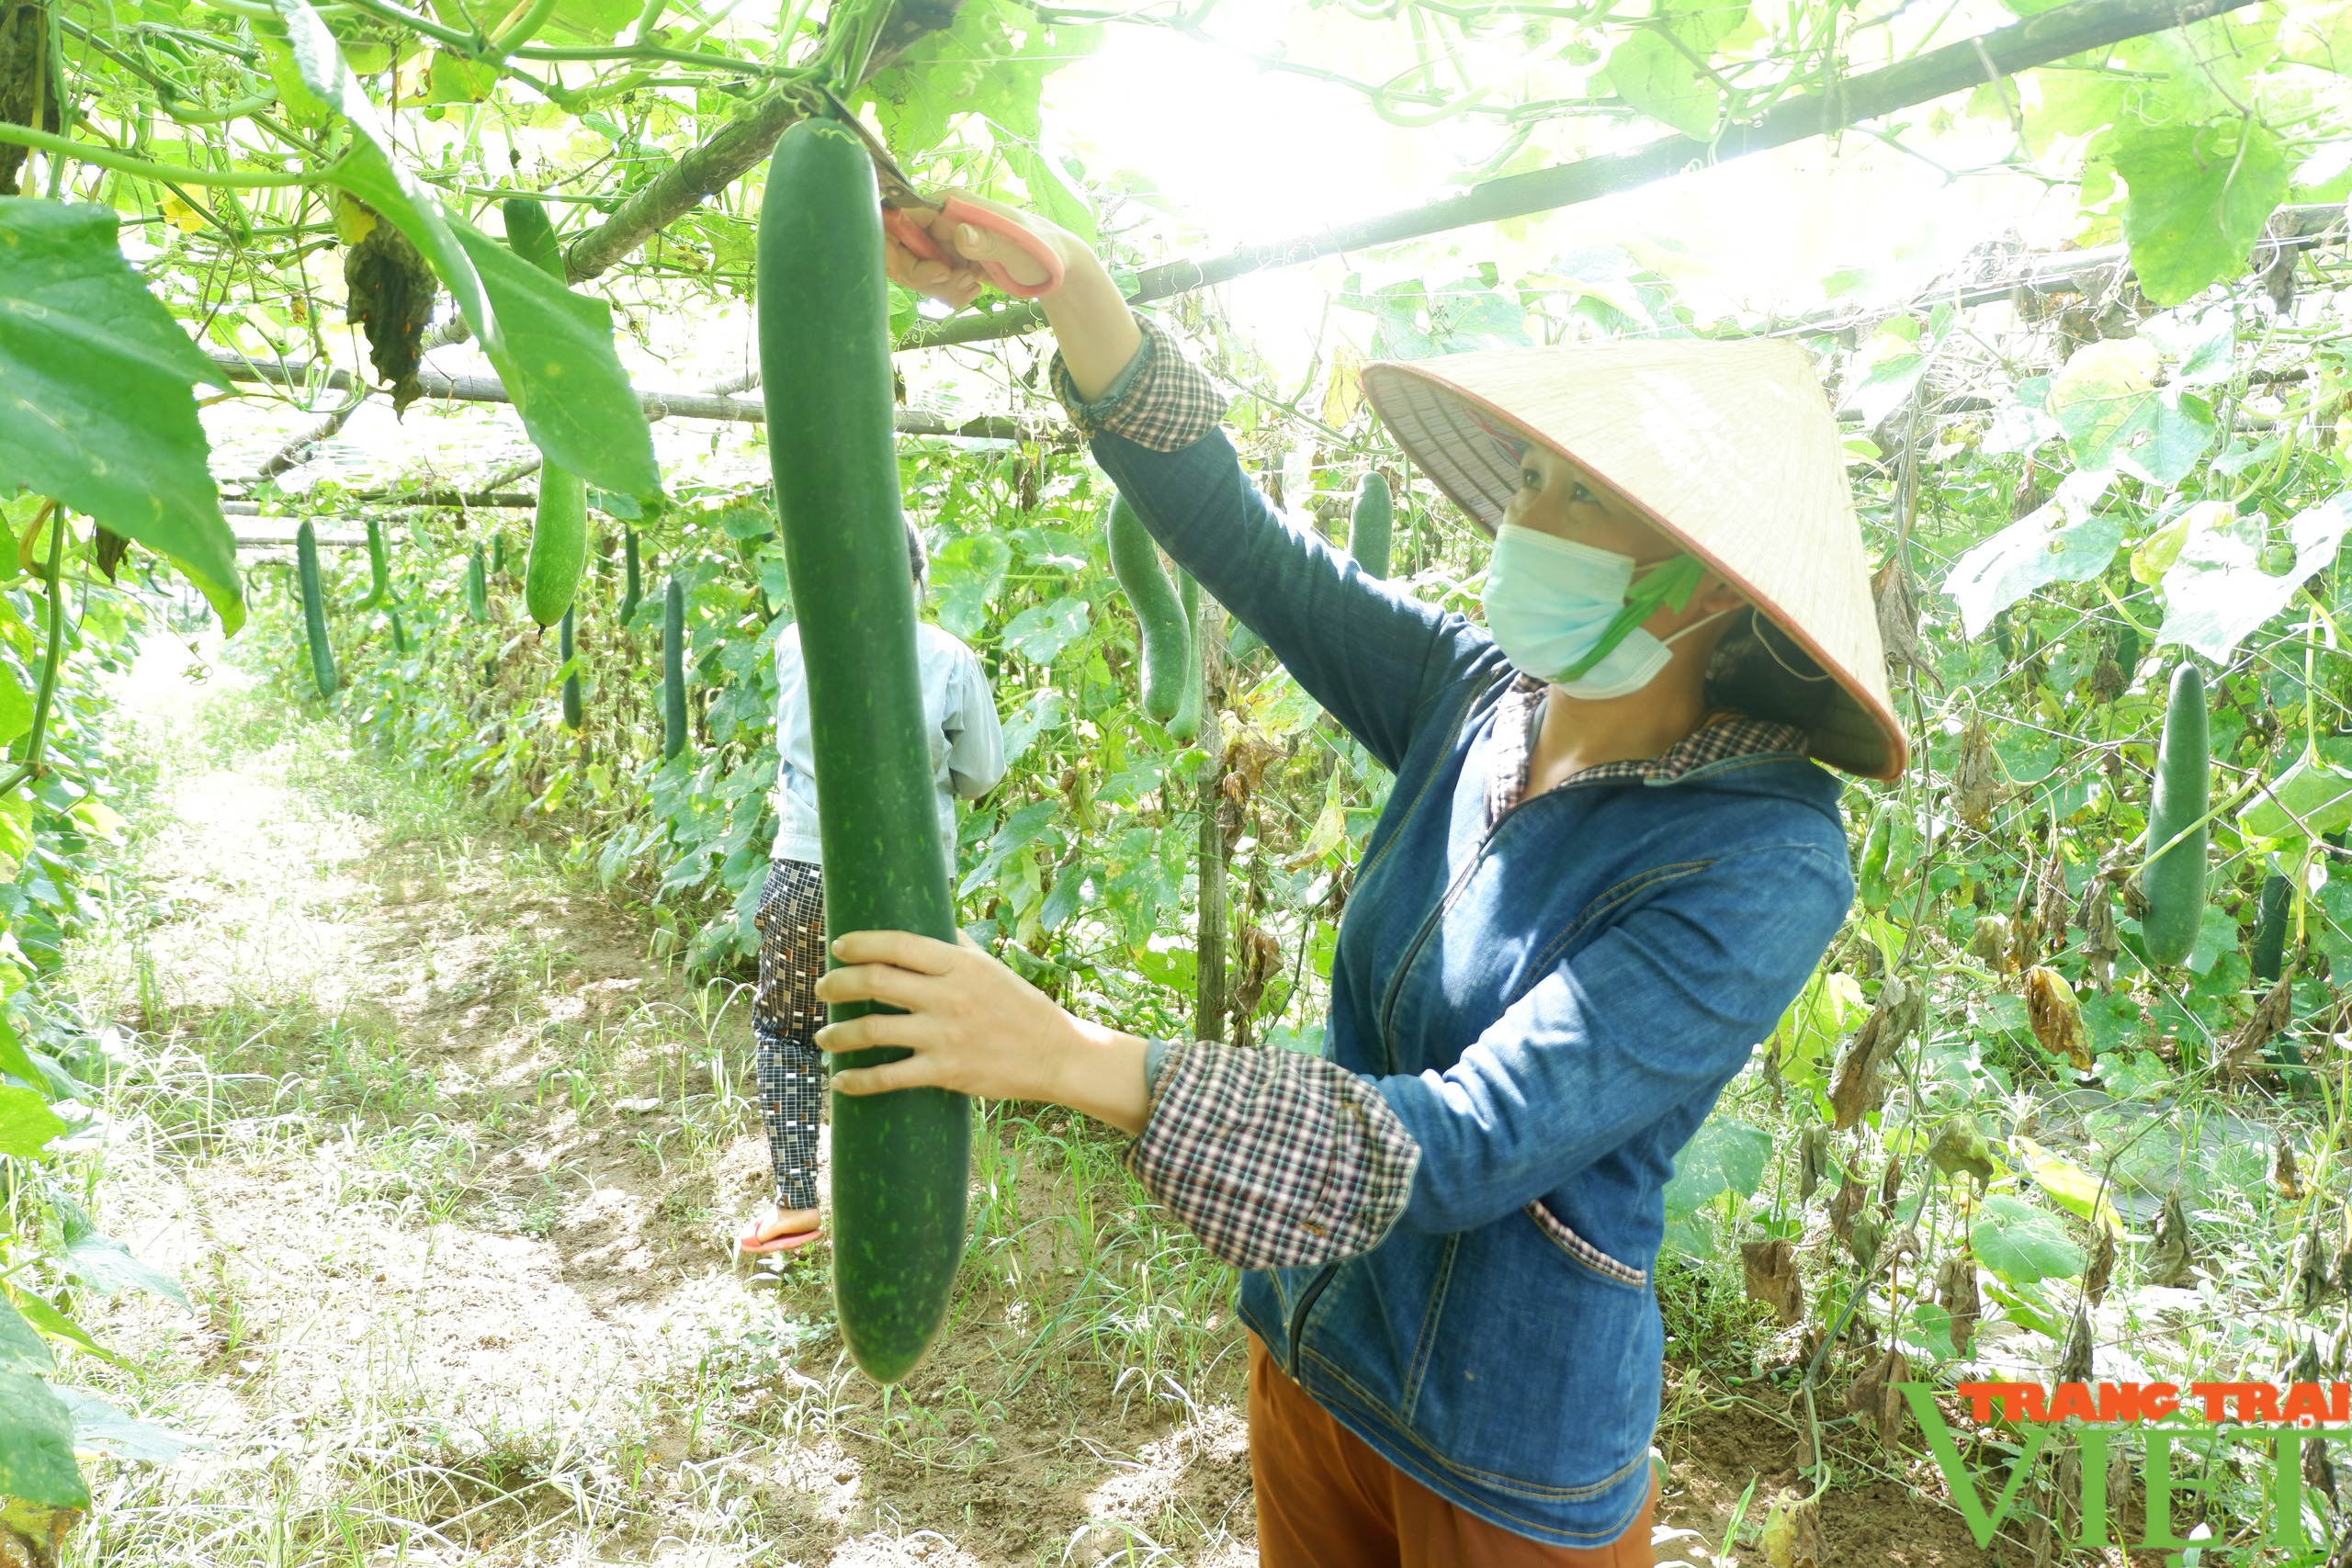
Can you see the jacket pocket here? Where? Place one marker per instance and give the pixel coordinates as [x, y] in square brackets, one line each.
[1583, 1251]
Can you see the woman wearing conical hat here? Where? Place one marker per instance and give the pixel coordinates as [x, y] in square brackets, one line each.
[1610, 857]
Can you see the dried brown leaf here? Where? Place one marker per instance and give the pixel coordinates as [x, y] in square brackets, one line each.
[1877, 1397]
[1990, 942]
[2096, 915]
[2273, 1014]
[1813, 1159]
[392, 292]
[1862, 1238]
[1956, 1293]
[2285, 1176]
[1846, 1205]
[1975, 776]
[2057, 1020]
[1898, 619]
[2102, 1268]
[1771, 1269]
[2172, 1254]
[2313, 1283]
[1960, 1146]
[2076, 1363]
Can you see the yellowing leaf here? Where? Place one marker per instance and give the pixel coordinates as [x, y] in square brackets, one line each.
[352, 221]
[2153, 556]
[1344, 395]
[1330, 827]
[2077, 1191]
[103, 820]
[1829, 1006]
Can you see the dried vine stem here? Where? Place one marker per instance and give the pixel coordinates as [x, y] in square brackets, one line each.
[728, 153]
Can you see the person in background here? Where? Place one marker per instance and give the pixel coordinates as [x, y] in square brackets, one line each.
[966, 760]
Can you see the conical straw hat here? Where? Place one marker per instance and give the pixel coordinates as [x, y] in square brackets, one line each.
[1728, 447]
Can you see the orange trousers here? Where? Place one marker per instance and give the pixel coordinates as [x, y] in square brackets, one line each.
[1327, 1500]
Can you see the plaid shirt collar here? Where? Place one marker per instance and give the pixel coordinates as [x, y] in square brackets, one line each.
[1722, 736]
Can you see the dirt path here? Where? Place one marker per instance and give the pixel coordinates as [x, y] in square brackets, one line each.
[451, 1166]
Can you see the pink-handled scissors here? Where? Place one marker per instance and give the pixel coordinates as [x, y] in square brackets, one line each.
[901, 202]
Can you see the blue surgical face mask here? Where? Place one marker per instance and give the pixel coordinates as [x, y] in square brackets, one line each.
[1551, 603]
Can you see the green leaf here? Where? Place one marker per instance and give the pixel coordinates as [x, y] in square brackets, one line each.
[95, 401]
[57, 1325]
[1959, 1147]
[994, 61]
[2153, 556]
[452, 79]
[966, 574]
[1649, 72]
[37, 1445]
[2113, 414]
[552, 349]
[26, 1123]
[2063, 541]
[2204, 344]
[2319, 36]
[22, 1349]
[1051, 191]
[2023, 1243]
[589, 21]
[15, 706]
[2199, 196]
[1174, 967]
[1723, 1157]
[1044, 711]
[1040, 632]
[2217, 934]
[106, 1266]
[1653, 70]
[559, 366]
[1063, 901]
[2312, 798]
[15, 1060]
[100, 1428]
[2217, 593]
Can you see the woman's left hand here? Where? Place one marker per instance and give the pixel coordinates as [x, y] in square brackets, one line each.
[975, 1027]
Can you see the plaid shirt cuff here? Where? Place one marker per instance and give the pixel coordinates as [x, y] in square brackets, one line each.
[1161, 401]
[1273, 1159]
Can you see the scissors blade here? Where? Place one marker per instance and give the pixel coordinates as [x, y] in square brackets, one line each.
[898, 191]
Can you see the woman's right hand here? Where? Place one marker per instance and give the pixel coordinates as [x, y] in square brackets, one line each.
[1089, 315]
[958, 279]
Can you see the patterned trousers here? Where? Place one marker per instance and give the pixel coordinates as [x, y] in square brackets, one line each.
[785, 1014]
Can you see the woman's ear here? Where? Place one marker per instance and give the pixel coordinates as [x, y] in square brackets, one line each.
[1719, 596]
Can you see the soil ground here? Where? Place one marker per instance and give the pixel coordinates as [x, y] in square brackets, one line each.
[451, 1161]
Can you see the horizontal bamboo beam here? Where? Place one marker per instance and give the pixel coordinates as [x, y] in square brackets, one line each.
[1871, 94]
[657, 405]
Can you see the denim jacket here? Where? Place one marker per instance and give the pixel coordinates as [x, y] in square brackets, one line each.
[1549, 1005]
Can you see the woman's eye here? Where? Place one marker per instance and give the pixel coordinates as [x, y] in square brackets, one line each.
[1530, 480]
[1579, 493]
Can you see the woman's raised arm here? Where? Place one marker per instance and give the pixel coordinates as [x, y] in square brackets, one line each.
[1375, 657]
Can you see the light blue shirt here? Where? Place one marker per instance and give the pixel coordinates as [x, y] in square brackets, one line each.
[959, 714]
